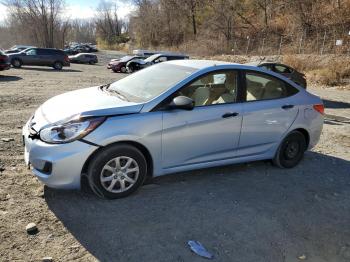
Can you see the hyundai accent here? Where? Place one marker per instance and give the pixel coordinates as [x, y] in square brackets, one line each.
[170, 117]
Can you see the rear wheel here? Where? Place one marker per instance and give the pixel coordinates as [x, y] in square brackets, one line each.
[291, 150]
[58, 65]
[16, 63]
[117, 171]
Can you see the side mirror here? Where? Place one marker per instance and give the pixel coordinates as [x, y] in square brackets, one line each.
[182, 102]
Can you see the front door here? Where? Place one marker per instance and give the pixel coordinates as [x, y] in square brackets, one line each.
[210, 131]
[31, 57]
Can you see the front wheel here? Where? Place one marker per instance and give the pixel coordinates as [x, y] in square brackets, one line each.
[16, 63]
[291, 150]
[117, 171]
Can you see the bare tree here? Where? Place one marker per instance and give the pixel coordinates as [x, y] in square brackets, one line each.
[39, 19]
[108, 25]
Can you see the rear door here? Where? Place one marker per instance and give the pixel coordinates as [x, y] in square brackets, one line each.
[209, 132]
[45, 57]
[268, 112]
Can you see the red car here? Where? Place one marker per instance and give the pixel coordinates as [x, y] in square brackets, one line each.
[119, 65]
[4, 61]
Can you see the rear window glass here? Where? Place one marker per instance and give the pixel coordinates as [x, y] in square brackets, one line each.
[264, 87]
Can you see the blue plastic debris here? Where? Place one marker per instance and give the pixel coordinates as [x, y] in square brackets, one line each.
[199, 249]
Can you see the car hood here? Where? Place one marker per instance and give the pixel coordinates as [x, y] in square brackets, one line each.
[114, 62]
[85, 102]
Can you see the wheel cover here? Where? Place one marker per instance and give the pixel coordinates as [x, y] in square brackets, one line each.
[17, 62]
[123, 69]
[119, 174]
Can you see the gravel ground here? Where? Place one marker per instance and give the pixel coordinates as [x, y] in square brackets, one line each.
[249, 212]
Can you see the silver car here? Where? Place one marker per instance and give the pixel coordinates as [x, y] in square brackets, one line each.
[173, 116]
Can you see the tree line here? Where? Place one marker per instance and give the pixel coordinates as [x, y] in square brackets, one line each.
[226, 23]
[215, 26]
[43, 23]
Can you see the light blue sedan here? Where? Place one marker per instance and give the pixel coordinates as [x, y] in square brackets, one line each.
[170, 117]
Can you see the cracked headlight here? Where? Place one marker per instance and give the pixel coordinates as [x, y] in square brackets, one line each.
[70, 131]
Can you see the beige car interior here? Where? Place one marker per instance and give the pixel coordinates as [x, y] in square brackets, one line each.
[209, 93]
[261, 88]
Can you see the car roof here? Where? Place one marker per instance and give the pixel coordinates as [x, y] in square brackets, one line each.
[199, 64]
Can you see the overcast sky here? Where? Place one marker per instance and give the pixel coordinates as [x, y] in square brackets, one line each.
[84, 8]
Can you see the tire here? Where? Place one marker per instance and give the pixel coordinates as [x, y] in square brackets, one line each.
[106, 179]
[16, 63]
[123, 69]
[57, 65]
[131, 69]
[291, 150]
[91, 62]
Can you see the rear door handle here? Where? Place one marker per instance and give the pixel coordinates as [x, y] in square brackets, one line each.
[230, 114]
[287, 106]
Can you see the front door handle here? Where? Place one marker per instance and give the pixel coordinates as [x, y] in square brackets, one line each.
[287, 106]
[230, 114]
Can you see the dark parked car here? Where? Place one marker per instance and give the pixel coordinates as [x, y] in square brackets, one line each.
[282, 69]
[119, 65]
[71, 51]
[4, 61]
[40, 57]
[83, 58]
[82, 48]
[138, 64]
[17, 49]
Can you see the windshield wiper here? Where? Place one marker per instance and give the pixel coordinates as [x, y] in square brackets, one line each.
[120, 95]
[107, 89]
[104, 87]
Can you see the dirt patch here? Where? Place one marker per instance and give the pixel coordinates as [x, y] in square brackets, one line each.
[249, 212]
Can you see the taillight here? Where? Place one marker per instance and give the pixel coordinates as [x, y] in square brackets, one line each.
[319, 108]
[66, 58]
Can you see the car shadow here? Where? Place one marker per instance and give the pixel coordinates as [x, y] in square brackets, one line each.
[335, 104]
[247, 212]
[64, 70]
[6, 78]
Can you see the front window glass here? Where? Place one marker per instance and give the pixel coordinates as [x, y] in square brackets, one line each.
[161, 59]
[31, 52]
[214, 88]
[150, 82]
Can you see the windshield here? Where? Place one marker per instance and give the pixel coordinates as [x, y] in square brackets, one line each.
[151, 58]
[126, 58]
[1, 53]
[25, 50]
[151, 82]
